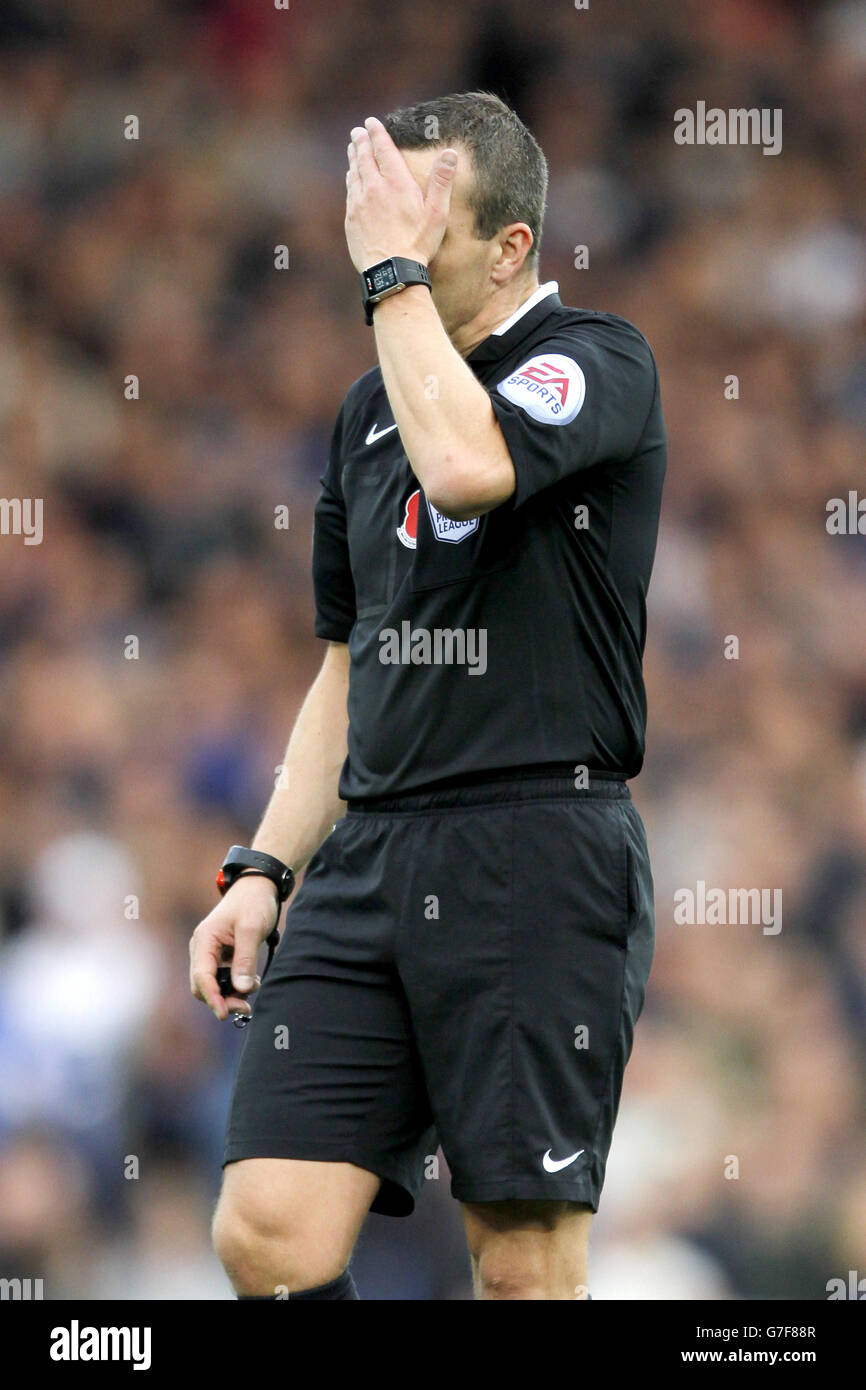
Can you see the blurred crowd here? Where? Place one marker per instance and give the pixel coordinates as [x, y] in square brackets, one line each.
[155, 647]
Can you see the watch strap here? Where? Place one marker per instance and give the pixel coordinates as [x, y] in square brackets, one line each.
[241, 860]
[406, 271]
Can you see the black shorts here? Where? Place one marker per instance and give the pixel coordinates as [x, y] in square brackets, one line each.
[468, 964]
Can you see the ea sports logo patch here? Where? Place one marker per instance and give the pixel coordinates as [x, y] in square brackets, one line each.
[444, 529]
[551, 388]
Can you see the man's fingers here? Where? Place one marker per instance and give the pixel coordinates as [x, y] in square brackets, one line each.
[364, 157]
[204, 987]
[204, 954]
[439, 185]
[353, 178]
[387, 156]
[246, 949]
[208, 992]
[234, 1004]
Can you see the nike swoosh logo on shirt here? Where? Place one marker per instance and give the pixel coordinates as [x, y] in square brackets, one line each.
[376, 433]
[553, 1165]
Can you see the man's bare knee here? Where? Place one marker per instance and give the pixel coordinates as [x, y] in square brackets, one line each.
[286, 1227]
[260, 1256]
[510, 1273]
[528, 1250]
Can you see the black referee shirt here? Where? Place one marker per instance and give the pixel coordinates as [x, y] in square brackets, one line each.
[515, 639]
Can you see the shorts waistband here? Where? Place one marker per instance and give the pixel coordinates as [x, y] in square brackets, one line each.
[519, 784]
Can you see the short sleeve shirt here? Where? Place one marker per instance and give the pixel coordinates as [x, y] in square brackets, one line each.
[514, 639]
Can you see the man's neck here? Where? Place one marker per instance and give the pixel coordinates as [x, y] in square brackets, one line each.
[497, 309]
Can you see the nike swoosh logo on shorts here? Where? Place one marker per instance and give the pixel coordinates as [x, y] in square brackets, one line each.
[376, 433]
[553, 1165]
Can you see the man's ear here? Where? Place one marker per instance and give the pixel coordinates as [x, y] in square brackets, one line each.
[515, 244]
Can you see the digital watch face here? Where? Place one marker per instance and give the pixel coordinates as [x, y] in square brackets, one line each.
[381, 278]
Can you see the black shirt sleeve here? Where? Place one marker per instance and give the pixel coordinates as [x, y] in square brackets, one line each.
[332, 574]
[580, 400]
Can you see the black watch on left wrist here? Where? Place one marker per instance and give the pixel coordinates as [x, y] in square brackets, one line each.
[239, 861]
[389, 277]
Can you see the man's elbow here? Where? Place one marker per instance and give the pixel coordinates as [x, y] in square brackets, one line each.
[463, 489]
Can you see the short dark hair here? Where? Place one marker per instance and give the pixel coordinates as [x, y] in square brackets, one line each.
[510, 169]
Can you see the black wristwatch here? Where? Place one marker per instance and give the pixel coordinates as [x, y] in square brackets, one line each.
[390, 277]
[239, 861]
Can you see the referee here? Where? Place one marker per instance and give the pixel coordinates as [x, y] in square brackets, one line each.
[469, 951]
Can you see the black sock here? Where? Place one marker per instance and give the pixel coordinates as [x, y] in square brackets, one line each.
[341, 1287]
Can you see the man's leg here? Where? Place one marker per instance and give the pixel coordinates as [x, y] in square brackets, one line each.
[528, 1249]
[329, 1113]
[287, 1226]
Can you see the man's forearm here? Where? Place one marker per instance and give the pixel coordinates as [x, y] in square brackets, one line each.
[305, 803]
[446, 422]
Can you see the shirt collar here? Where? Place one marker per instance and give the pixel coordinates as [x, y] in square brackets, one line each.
[507, 335]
